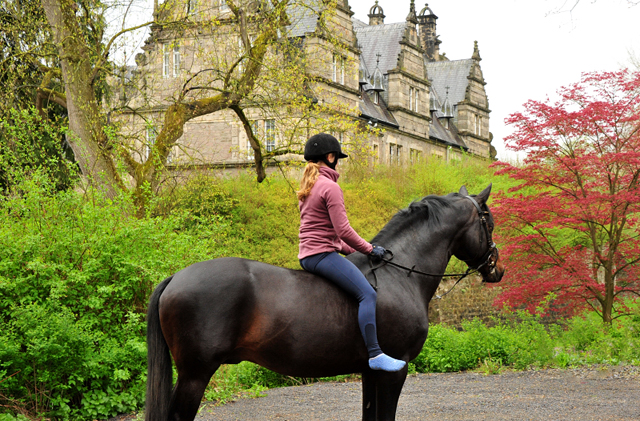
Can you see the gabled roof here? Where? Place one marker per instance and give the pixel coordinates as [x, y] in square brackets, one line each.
[378, 111]
[452, 74]
[380, 39]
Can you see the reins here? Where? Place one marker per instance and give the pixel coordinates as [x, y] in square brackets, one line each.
[486, 258]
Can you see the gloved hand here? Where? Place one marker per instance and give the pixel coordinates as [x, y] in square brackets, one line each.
[378, 252]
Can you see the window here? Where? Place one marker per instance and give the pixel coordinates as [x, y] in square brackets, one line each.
[176, 60]
[414, 99]
[270, 134]
[338, 69]
[240, 53]
[192, 6]
[395, 154]
[152, 133]
[166, 64]
[250, 151]
[376, 153]
[223, 5]
[478, 125]
[410, 98]
[415, 156]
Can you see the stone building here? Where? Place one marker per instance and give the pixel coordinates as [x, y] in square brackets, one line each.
[393, 74]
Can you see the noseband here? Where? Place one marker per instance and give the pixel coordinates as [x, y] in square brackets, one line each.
[474, 265]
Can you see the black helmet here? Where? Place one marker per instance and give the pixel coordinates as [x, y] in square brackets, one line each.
[321, 144]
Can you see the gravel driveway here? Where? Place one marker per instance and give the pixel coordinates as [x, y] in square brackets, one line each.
[602, 393]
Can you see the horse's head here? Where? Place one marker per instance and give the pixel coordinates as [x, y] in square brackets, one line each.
[475, 246]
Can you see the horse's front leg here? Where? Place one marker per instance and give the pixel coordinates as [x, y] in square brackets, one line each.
[369, 401]
[381, 391]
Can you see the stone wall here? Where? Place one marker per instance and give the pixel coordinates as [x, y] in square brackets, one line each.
[469, 299]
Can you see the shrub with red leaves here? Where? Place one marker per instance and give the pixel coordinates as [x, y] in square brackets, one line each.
[570, 229]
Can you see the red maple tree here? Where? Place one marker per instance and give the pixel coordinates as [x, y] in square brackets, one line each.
[570, 228]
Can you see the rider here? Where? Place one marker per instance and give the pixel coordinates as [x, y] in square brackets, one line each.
[325, 231]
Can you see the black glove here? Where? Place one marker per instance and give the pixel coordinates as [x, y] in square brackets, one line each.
[378, 252]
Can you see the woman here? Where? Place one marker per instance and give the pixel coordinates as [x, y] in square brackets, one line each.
[325, 231]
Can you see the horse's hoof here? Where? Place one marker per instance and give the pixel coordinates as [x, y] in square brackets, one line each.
[386, 363]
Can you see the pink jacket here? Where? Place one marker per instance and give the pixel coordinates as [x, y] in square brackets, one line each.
[324, 226]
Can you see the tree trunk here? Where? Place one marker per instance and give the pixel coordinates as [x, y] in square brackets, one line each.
[87, 137]
[609, 290]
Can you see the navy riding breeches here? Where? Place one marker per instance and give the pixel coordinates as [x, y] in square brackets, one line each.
[347, 276]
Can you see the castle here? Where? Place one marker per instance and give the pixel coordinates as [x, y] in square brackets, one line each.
[425, 104]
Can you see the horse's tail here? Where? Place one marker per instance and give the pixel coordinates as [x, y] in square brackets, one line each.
[159, 372]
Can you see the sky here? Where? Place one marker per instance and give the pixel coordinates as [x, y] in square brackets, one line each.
[529, 48]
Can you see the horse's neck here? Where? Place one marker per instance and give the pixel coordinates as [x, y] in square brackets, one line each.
[430, 251]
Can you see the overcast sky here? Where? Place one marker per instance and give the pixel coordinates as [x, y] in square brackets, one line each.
[528, 50]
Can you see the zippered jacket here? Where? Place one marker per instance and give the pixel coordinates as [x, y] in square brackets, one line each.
[324, 226]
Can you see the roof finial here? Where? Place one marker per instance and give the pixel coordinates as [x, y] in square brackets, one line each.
[476, 52]
[411, 17]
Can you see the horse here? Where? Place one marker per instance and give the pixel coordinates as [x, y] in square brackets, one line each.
[295, 323]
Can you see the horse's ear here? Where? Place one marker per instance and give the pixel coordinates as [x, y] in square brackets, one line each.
[484, 195]
[463, 191]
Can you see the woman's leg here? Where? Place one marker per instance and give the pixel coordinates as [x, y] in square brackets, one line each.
[348, 277]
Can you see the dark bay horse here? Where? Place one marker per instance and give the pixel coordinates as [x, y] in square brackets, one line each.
[228, 310]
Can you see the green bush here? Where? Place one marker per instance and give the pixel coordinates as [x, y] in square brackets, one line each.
[75, 276]
[523, 341]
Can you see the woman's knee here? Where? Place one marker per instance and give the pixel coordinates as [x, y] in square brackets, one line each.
[369, 295]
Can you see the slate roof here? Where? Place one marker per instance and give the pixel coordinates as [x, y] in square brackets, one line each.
[382, 39]
[452, 74]
[449, 137]
[304, 19]
[378, 111]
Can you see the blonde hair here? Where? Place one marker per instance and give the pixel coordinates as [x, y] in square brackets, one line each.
[309, 178]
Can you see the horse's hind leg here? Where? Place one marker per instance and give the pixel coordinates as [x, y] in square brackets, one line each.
[187, 394]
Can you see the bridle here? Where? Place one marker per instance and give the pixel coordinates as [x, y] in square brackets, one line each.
[485, 259]
[489, 258]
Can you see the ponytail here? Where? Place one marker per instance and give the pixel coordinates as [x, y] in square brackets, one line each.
[309, 178]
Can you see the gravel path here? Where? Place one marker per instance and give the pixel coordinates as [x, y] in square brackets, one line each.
[601, 393]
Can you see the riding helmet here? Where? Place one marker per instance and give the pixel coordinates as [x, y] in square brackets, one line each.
[321, 144]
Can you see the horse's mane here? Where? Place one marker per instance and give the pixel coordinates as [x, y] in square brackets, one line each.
[428, 210]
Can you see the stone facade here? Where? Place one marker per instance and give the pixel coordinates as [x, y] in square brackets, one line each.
[426, 104]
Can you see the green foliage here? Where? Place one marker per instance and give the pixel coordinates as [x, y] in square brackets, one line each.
[522, 341]
[265, 220]
[75, 276]
[29, 143]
